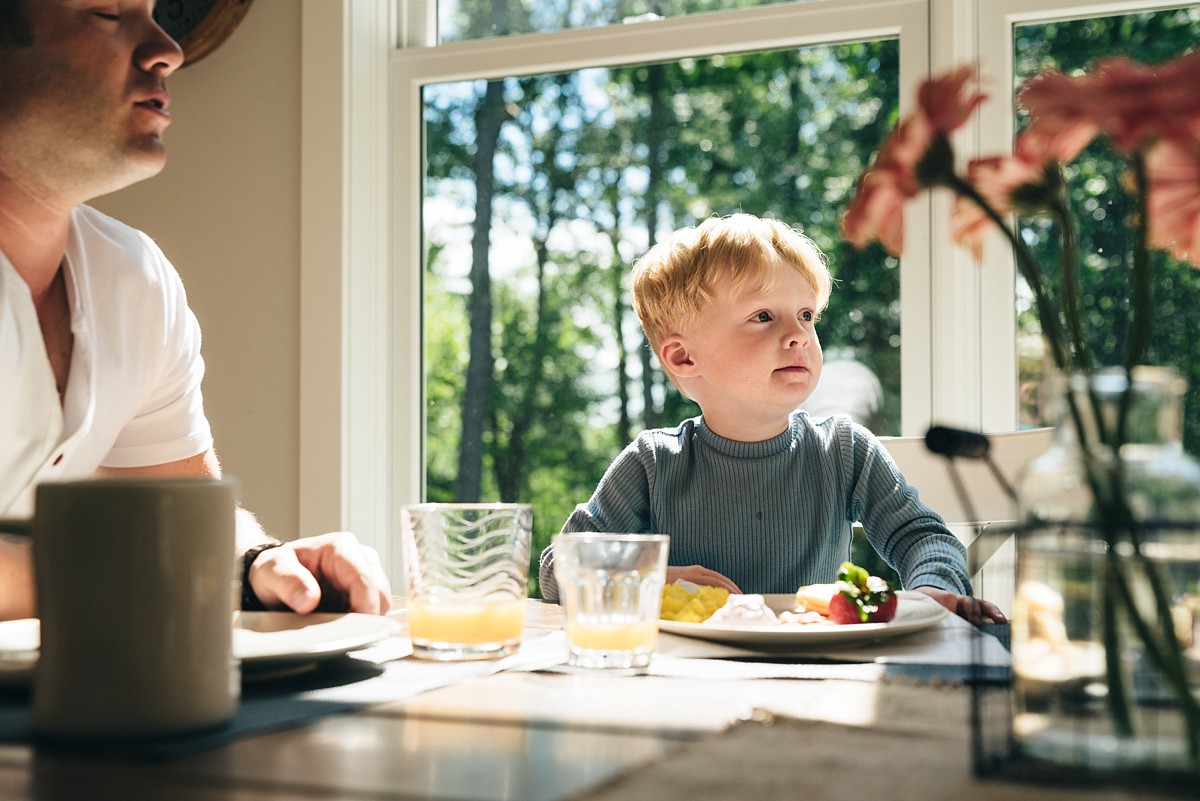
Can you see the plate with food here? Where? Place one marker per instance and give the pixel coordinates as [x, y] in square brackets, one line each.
[856, 609]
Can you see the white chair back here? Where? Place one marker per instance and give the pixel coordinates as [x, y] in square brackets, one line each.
[990, 555]
[929, 473]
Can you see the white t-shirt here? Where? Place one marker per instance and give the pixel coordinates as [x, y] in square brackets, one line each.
[133, 394]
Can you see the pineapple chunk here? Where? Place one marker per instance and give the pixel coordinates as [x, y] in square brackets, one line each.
[688, 605]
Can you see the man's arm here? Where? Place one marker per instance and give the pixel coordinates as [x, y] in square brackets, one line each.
[16, 578]
[202, 465]
[331, 570]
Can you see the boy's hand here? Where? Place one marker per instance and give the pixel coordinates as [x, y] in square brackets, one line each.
[698, 574]
[974, 610]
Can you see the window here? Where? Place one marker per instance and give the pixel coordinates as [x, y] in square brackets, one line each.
[1073, 44]
[541, 188]
[788, 95]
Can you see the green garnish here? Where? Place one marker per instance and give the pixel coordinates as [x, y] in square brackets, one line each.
[866, 592]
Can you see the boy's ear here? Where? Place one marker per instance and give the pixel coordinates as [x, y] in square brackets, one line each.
[674, 355]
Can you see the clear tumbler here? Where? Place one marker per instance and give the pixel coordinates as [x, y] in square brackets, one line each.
[611, 590]
[467, 572]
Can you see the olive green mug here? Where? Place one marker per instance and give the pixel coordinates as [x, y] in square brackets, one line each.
[134, 599]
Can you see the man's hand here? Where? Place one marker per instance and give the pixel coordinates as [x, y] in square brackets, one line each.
[698, 574]
[974, 610]
[333, 572]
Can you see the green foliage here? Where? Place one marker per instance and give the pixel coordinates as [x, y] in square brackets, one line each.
[1104, 205]
[863, 554]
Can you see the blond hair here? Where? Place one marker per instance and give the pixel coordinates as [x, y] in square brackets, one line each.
[673, 282]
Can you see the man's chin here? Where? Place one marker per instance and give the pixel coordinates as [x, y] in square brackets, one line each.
[115, 183]
[151, 153]
[144, 161]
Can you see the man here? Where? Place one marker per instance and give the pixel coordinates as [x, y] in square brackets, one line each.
[100, 363]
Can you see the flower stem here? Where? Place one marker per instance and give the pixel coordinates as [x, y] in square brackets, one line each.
[1143, 287]
[1166, 656]
[1115, 517]
[1051, 325]
[1070, 284]
[1118, 702]
[1118, 524]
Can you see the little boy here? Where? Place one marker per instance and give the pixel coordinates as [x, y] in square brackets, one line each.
[755, 494]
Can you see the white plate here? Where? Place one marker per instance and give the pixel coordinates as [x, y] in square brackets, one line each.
[258, 637]
[19, 640]
[286, 637]
[914, 612]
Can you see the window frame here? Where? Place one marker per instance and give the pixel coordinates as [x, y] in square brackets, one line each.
[362, 367]
[762, 28]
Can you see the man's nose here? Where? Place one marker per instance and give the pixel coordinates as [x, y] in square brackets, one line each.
[158, 52]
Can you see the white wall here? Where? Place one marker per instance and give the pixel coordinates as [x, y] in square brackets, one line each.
[226, 211]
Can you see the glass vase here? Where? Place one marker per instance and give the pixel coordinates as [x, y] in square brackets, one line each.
[1106, 618]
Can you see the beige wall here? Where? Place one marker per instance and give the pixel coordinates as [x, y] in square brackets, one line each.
[226, 211]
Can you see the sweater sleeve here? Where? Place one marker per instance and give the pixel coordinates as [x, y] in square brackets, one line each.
[910, 536]
[621, 503]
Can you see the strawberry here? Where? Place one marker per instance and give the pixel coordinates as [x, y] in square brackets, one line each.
[861, 598]
[844, 610]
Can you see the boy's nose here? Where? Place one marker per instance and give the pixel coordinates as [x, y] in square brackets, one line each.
[797, 336]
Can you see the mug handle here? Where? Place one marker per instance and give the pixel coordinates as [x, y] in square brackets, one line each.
[22, 528]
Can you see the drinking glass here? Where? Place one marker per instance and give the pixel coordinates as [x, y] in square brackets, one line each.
[611, 590]
[467, 571]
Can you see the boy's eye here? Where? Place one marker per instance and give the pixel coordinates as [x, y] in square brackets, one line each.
[762, 317]
[807, 316]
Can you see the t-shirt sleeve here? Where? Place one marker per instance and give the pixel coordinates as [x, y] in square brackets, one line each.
[621, 503]
[909, 535]
[170, 425]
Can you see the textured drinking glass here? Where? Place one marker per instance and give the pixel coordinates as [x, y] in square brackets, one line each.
[467, 572]
[611, 590]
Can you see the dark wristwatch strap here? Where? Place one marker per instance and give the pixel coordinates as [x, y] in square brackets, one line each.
[250, 602]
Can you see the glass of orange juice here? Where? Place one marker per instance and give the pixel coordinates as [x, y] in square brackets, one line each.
[466, 569]
[611, 589]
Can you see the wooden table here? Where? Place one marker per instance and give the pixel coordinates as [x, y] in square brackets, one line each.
[580, 735]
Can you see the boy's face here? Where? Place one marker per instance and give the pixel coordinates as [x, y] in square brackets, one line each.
[751, 357]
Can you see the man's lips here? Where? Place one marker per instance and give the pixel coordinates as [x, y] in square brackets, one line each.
[158, 100]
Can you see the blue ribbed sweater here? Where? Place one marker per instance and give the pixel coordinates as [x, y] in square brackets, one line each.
[770, 515]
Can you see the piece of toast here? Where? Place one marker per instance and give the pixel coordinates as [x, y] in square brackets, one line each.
[816, 597]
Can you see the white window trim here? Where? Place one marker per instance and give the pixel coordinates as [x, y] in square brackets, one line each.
[347, 413]
[954, 336]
